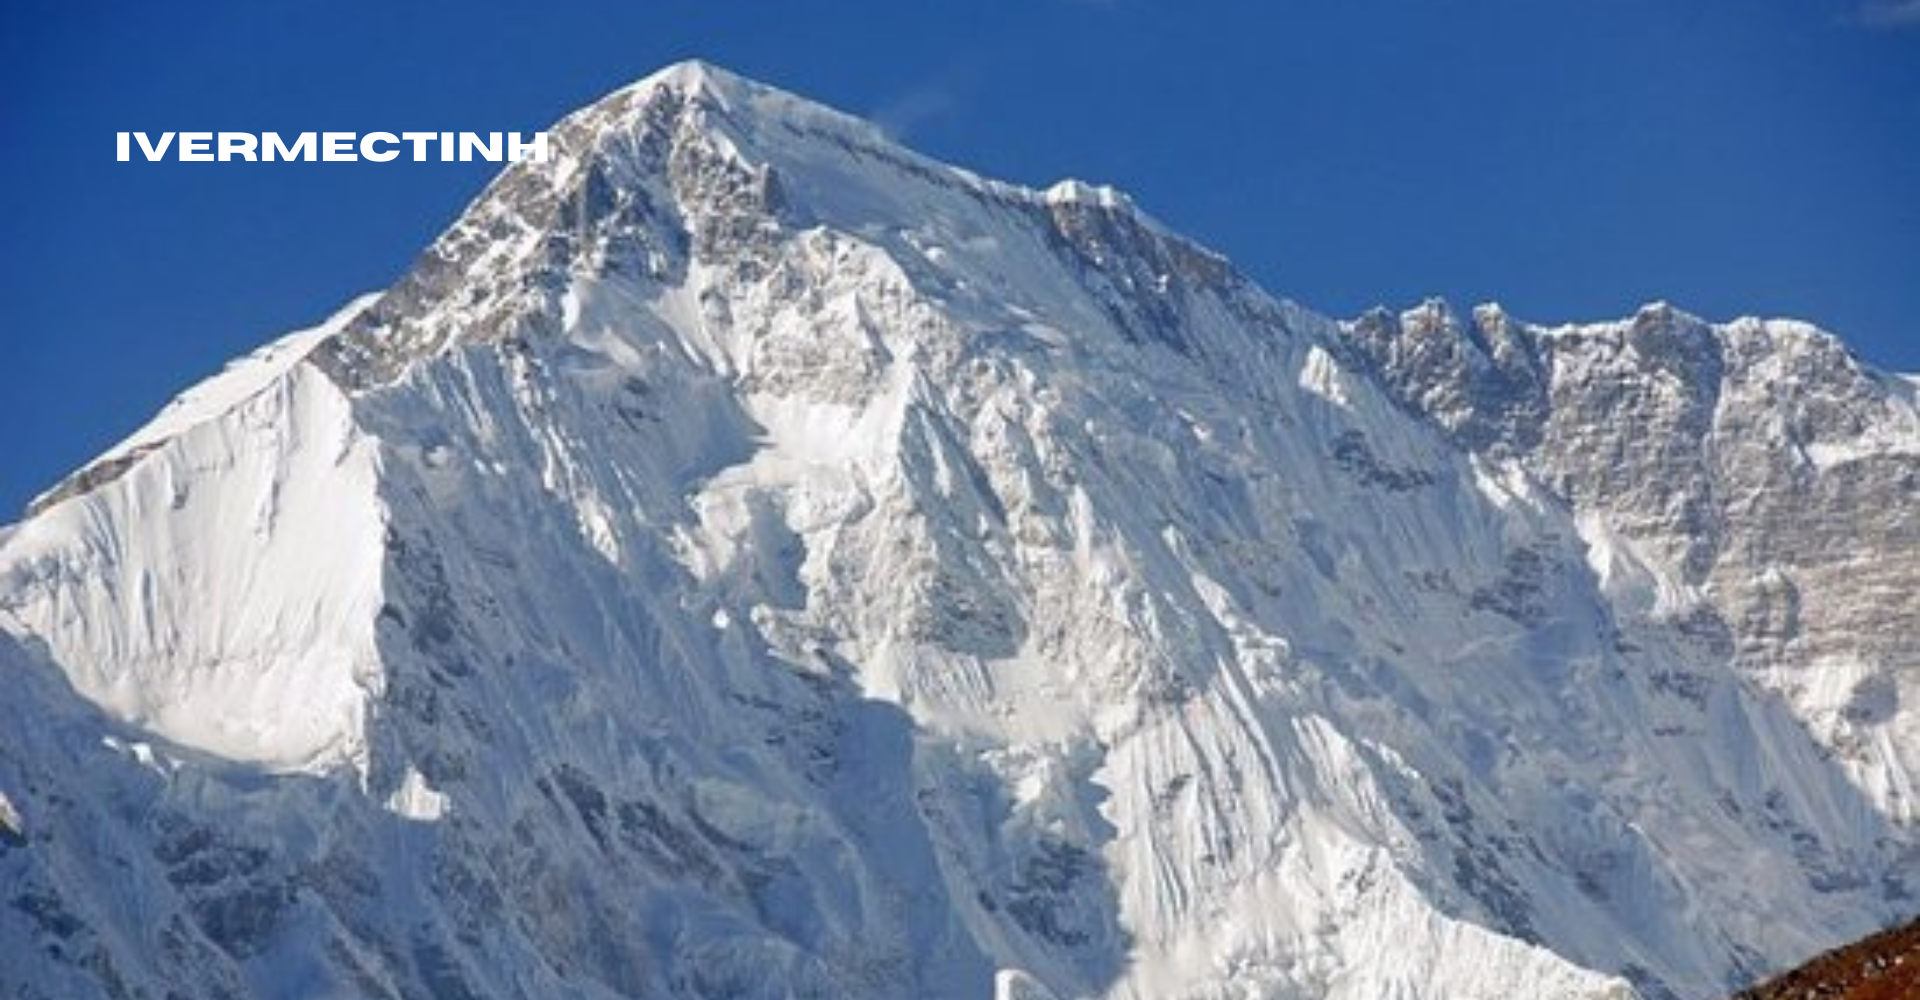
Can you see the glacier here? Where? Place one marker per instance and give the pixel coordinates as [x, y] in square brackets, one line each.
[745, 558]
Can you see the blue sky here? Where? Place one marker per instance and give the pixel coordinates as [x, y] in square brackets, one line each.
[1570, 158]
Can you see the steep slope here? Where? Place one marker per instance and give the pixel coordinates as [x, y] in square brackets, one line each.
[745, 558]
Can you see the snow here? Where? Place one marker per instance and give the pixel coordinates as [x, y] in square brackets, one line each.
[11, 823]
[205, 626]
[1079, 192]
[867, 592]
[1630, 580]
[416, 800]
[1322, 377]
[1898, 435]
[240, 380]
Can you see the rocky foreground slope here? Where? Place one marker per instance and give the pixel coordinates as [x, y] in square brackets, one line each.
[1884, 966]
[743, 558]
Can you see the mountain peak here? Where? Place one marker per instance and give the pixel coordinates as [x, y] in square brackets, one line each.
[722, 99]
[695, 164]
[745, 558]
[695, 74]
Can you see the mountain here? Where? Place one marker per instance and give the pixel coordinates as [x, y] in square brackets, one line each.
[1885, 966]
[744, 558]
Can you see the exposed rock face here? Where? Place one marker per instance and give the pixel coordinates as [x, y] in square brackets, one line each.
[746, 559]
[1768, 482]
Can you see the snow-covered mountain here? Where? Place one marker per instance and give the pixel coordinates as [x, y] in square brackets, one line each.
[744, 558]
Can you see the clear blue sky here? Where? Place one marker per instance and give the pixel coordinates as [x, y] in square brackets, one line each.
[1571, 158]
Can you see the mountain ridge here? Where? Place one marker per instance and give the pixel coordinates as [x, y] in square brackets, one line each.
[702, 85]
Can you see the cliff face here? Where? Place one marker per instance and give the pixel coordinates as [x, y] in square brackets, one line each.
[1766, 483]
[744, 558]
